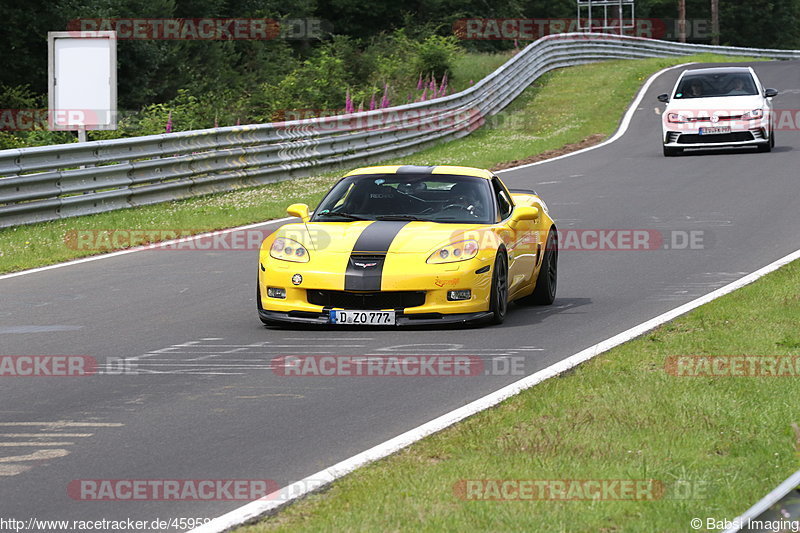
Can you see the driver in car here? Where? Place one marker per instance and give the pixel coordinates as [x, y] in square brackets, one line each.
[466, 196]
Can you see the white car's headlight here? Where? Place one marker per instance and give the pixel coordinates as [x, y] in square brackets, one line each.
[288, 250]
[754, 114]
[676, 118]
[457, 251]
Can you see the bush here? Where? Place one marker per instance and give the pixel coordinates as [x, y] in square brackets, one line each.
[435, 55]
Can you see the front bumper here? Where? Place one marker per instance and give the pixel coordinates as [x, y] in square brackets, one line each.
[402, 319]
[431, 282]
[691, 138]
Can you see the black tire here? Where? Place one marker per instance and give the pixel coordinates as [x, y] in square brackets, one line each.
[672, 152]
[765, 147]
[498, 296]
[547, 281]
[772, 138]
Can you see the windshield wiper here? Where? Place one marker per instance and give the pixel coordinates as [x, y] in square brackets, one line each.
[351, 216]
[397, 217]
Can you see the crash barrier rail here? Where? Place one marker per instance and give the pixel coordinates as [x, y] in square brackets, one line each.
[764, 510]
[59, 181]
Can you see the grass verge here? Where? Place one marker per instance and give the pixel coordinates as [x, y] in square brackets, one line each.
[717, 444]
[563, 107]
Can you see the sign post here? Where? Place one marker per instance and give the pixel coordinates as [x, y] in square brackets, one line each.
[616, 15]
[82, 81]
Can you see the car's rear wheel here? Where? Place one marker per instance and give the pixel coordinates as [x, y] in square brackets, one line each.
[498, 295]
[544, 293]
[669, 151]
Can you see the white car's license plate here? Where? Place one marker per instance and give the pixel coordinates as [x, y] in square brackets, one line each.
[368, 318]
[715, 131]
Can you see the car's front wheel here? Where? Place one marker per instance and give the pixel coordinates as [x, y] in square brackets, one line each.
[669, 151]
[768, 146]
[544, 292]
[498, 296]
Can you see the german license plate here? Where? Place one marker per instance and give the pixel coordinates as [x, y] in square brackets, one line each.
[715, 131]
[367, 318]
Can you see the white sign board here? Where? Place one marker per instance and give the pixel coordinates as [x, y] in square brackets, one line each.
[82, 80]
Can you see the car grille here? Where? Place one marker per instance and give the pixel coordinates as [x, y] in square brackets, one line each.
[739, 136]
[722, 118]
[366, 300]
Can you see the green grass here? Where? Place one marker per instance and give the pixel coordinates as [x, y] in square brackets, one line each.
[618, 416]
[561, 108]
[474, 66]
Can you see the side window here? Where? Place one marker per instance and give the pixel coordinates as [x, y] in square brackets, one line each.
[504, 203]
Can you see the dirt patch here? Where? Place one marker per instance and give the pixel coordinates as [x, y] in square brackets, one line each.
[591, 140]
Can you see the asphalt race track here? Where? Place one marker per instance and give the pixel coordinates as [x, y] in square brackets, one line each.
[206, 404]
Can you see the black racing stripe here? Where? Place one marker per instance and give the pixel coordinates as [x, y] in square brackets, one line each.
[378, 236]
[415, 169]
[365, 267]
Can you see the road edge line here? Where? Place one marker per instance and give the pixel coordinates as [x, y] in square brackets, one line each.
[277, 499]
[623, 128]
[153, 246]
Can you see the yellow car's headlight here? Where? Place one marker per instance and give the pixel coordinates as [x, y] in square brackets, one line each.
[457, 251]
[288, 250]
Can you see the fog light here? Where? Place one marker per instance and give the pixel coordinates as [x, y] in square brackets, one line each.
[275, 292]
[455, 296]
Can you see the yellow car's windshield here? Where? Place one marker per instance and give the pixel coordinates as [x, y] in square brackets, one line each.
[430, 197]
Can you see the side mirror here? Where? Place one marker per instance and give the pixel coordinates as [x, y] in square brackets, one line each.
[299, 211]
[525, 212]
[769, 93]
[663, 98]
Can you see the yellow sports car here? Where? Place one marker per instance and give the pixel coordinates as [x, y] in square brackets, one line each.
[409, 245]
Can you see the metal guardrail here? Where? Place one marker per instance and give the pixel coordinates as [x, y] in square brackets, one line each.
[745, 522]
[59, 181]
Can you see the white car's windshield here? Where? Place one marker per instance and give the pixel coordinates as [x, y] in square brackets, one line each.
[716, 85]
[431, 197]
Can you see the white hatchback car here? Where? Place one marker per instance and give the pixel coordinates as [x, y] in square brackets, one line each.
[721, 106]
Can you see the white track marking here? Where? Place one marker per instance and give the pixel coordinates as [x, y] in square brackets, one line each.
[45, 435]
[36, 444]
[623, 127]
[8, 468]
[300, 488]
[38, 455]
[305, 486]
[154, 246]
[64, 424]
[13, 470]
[621, 131]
